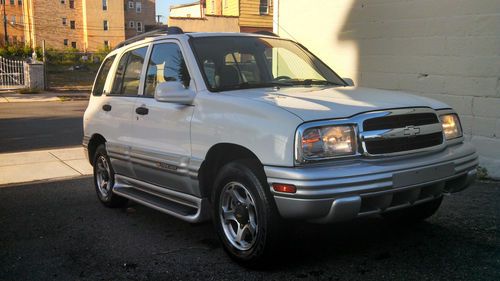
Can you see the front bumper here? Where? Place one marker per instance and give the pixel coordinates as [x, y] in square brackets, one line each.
[346, 190]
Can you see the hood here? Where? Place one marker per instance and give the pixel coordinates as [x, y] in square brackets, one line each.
[316, 103]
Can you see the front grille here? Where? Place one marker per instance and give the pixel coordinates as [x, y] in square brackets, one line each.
[403, 144]
[402, 132]
[399, 121]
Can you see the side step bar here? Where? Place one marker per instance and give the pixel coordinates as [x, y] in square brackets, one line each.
[180, 205]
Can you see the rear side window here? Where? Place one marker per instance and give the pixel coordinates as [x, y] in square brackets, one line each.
[100, 80]
[128, 73]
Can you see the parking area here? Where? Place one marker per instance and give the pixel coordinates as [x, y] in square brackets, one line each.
[59, 231]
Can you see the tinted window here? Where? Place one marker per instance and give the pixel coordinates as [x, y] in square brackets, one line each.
[166, 64]
[128, 73]
[101, 76]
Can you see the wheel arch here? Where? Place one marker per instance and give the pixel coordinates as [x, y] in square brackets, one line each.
[219, 155]
[94, 142]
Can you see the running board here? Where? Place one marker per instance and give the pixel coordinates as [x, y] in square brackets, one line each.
[180, 205]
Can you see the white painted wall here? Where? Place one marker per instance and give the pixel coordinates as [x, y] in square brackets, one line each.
[185, 11]
[444, 49]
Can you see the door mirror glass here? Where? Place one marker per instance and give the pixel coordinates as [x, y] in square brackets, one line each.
[348, 81]
[174, 92]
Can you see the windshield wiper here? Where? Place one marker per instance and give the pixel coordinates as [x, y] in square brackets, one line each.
[308, 82]
[246, 85]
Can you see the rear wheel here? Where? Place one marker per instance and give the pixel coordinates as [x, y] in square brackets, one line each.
[416, 213]
[104, 179]
[245, 217]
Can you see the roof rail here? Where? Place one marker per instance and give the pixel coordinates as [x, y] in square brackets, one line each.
[265, 32]
[162, 30]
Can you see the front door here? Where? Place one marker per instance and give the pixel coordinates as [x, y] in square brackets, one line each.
[162, 149]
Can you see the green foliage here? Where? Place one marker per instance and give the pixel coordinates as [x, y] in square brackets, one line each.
[482, 173]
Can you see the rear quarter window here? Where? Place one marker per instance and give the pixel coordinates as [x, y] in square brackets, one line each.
[100, 80]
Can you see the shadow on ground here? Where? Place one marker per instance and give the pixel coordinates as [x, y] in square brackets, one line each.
[59, 231]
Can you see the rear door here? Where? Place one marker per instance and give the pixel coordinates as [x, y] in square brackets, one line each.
[118, 109]
[162, 149]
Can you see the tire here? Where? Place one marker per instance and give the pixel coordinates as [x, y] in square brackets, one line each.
[244, 213]
[104, 180]
[414, 214]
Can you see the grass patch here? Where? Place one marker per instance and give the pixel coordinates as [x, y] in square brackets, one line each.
[28, 91]
[67, 76]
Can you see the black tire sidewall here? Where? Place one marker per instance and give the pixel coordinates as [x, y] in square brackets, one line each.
[101, 151]
[243, 172]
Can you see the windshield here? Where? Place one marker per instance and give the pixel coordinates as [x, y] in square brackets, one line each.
[237, 62]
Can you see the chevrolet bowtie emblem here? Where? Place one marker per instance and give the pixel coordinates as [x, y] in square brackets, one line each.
[411, 131]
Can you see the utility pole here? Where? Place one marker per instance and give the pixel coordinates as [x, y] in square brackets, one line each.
[6, 37]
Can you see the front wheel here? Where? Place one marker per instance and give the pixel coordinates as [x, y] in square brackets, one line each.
[104, 180]
[244, 215]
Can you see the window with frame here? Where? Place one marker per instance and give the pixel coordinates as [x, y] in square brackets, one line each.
[264, 7]
[71, 4]
[20, 2]
[165, 65]
[72, 24]
[138, 7]
[12, 2]
[63, 1]
[101, 77]
[131, 24]
[138, 26]
[130, 4]
[73, 45]
[128, 73]
[65, 42]
[64, 21]
[104, 5]
[105, 25]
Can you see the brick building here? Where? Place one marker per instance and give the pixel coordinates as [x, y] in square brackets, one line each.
[87, 25]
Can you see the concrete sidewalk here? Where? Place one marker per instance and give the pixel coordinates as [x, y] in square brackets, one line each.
[49, 164]
[9, 96]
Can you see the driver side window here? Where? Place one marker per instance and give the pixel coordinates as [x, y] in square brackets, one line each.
[166, 64]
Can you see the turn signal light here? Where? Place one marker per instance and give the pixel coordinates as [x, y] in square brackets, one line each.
[286, 188]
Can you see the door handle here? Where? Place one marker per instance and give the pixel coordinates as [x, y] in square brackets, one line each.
[106, 107]
[142, 110]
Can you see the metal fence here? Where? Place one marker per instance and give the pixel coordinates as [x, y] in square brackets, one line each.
[11, 73]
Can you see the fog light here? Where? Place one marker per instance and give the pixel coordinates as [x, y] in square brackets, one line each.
[286, 188]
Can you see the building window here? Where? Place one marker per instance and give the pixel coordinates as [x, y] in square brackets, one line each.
[131, 24]
[64, 21]
[71, 5]
[65, 42]
[63, 1]
[12, 2]
[20, 2]
[138, 7]
[104, 5]
[105, 25]
[106, 44]
[73, 45]
[264, 7]
[13, 20]
[139, 26]
[72, 24]
[130, 4]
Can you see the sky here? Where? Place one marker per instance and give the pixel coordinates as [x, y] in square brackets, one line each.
[162, 7]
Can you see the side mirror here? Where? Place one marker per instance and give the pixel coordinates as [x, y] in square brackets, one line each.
[174, 92]
[349, 81]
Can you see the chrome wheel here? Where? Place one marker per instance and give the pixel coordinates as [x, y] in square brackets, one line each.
[103, 177]
[238, 216]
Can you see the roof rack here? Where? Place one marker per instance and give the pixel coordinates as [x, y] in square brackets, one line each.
[265, 32]
[162, 30]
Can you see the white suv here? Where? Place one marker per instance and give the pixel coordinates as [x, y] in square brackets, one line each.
[252, 130]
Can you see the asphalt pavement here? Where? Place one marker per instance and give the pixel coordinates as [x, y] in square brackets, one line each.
[59, 231]
[40, 125]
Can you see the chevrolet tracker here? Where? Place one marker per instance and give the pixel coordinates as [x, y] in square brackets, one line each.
[252, 131]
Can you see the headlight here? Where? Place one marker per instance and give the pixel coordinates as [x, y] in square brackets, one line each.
[328, 141]
[451, 126]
